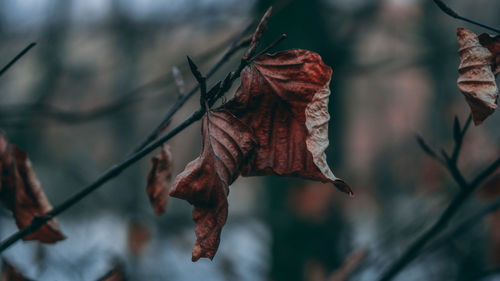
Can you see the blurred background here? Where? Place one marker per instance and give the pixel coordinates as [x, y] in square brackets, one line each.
[100, 79]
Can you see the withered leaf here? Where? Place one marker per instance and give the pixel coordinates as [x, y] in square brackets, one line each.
[21, 193]
[277, 123]
[159, 179]
[205, 182]
[116, 274]
[284, 98]
[478, 66]
[10, 273]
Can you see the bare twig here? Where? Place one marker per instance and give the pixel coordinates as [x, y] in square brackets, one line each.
[466, 190]
[426, 148]
[464, 226]
[239, 43]
[447, 10]
[128, 99]
[117, 169]
[16, 58]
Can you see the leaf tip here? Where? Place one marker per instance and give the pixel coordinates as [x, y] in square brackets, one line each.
[343, 186]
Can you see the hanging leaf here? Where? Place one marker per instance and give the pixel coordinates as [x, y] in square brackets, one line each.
[159, 179]
[477, 70]
[10, 273]
[277, 124]
[116, 274]
[20, 192]
[205, 182]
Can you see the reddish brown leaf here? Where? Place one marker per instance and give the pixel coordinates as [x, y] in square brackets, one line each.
[116, 274]
[205, 182]
[284, 99]
[477, 69]
[159, 179]
[10, 273]
[22, 194]
[493, 45]
[277, 123]
[139, 236]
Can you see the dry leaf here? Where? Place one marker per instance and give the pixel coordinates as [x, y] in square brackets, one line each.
[10, 273]
[284, 98]
[277, 123]
[205, 182]
[116, 274]
[20, 192]
[159, 179]
[477, 69]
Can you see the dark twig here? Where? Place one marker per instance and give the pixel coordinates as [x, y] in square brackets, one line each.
[458, 135]
[466, 190]
[426, 148]
[117, 169]
[111, 173]
[257, 35]
[17, 57]
[447, 10]
[464, 226]
[128, 99]
[239, 43]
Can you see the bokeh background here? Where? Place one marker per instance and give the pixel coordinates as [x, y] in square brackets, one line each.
[100, 79]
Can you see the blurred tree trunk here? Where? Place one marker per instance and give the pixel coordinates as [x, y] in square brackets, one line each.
[297, 242]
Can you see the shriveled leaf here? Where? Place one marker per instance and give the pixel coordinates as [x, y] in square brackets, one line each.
[116, 274]
[477, 74]
[159, 179]
[10, 273]
[205, 182]
[139, 236]
[277, 123]
[284, 98]
[22, 194]
[493, 45]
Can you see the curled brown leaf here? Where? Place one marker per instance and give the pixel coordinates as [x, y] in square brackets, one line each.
[21, 193]
[205, 182]
[159, 179]
[477, 69]
[10, 273]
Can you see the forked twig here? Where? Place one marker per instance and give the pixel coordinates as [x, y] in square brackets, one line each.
[466, 189]
[151, 145]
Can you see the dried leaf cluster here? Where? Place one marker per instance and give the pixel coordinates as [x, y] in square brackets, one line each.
[479, 64]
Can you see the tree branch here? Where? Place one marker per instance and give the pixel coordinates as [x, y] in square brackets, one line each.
[151, 145]
[466, 190]
[16, 58]
[450, 12]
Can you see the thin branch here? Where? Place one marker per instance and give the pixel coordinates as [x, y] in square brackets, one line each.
[117, 169]
[457, 202]
[415, 248]
[459, 135]
[17, 57]
[464, 226]
[239, 43]
[111, 173]
[449, 11]
[130, 98]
